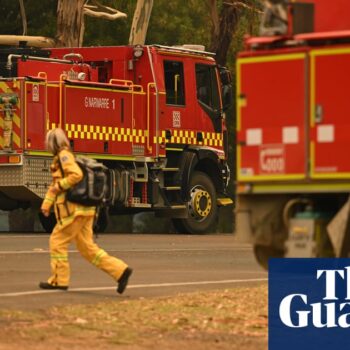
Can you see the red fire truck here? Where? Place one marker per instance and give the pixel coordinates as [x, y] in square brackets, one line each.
[293, 112]
[155, 115]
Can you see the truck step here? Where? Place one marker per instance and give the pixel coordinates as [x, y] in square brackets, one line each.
[172, 188]
[135, 202]
[140, 205]
[170, 169]
[173, 211]
[166, 169]
[178, 206]
[224, 201]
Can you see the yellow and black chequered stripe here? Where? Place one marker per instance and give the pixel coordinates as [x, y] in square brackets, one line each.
[16, 131]
[188, 137]
[109, 133]
[105, 133]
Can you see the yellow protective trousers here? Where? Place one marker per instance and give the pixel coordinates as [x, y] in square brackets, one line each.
[80, 231]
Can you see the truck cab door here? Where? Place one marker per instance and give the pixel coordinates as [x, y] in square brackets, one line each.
[175, 108]
[191, 111]
[209, 109]
[330, 110]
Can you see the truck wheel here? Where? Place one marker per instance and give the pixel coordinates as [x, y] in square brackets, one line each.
[47, 223]
[263, 253]
[202, 206]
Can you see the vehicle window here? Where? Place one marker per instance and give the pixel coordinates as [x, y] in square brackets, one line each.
[207, 87]
[174, 83]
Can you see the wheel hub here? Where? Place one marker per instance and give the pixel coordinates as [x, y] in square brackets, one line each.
[200, 204]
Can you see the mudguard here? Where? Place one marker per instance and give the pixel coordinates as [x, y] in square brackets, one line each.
[197, 158]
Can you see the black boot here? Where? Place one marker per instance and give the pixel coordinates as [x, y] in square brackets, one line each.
[123, 280]
[45, 285]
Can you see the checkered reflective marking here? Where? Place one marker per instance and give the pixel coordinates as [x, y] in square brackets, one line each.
[109, 133]
[190, 138]
[105, 133]
[16, 132]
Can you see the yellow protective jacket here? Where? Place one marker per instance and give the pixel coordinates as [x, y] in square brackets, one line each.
[65, 211]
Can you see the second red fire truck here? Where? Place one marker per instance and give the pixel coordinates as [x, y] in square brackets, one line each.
[293, 112]
[155, 115]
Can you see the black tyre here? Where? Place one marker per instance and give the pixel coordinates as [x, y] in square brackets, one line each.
[47, 222]
[203, 208]
[264, 253]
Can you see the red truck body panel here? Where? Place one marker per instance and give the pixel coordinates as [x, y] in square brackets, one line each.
[330, 15]
[272, 117]
[330, 126]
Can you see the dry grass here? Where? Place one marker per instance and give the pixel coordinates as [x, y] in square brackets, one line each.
[229, 319]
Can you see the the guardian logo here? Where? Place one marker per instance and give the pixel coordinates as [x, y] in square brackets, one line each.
[309, 304]
[315, 312]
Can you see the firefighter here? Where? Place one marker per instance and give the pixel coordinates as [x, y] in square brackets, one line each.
[74, 221]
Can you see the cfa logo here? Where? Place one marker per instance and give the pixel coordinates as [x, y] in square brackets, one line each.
[272, 159]
[330, 312]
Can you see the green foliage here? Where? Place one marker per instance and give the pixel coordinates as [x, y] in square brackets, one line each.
[179, 22]
[172, 23]
[99, 32]
[11, 20]
[41, 17]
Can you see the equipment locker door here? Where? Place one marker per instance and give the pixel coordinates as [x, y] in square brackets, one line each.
[330, 113]
[271, 118]
[99, 119]
[35, 115]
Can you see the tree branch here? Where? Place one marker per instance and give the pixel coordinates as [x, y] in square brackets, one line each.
[95, 11]
[242, 4]
[101, 11]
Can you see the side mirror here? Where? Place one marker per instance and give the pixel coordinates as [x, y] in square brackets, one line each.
[226, 88]
[225, 76]
[227, 97]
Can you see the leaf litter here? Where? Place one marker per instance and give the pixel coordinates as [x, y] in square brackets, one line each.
[227, 319]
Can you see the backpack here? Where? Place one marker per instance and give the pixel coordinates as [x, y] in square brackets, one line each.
[92, 189]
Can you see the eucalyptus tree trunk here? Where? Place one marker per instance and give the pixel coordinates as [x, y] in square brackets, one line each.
[140, 22]
[223, 28]
[70, 23]
[23, 16]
